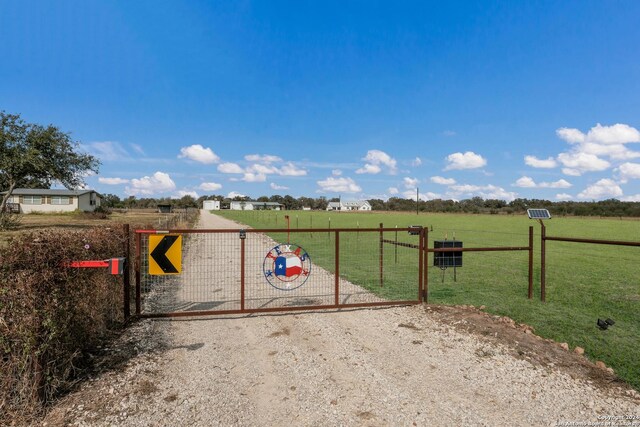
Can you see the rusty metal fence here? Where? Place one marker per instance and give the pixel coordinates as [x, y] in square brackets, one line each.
[261, 270]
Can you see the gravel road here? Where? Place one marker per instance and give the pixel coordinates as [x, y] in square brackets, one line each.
[373, 367]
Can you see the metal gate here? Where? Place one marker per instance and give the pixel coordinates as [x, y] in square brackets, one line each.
[202, 272]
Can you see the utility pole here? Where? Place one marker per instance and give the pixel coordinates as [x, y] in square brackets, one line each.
[417, 199]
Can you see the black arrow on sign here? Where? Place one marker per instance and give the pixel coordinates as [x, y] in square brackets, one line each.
[159, 254]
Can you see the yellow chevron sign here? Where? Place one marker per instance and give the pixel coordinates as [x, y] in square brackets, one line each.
[165, 254]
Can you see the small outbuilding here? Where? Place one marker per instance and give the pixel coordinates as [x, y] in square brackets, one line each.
[211, 205]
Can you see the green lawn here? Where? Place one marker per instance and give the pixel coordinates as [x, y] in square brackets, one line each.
[584, 282]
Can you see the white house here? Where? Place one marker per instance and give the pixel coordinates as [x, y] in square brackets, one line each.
[361, 205]
[251, 205]
[39, 200]
[211, 205]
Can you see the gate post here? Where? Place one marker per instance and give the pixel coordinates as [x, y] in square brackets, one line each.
[543, 255]
[337, 269]
[127, 272]
[530, 294]
[381, 257]
[425, 262]
[420, 263]
[242, 268]
[138, 250]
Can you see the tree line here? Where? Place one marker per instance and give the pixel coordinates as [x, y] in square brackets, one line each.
[475, 205]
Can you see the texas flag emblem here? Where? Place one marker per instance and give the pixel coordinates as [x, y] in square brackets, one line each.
[288, 266]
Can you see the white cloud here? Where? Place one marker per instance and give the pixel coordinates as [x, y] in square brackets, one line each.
[339, 185]
[198, 153]
[629, 171]
[254, 177]
[449, 133]
[290, 169]
[262, 158]
[605, 188]
[112, 181]
[484, 191]
[233, 194]
[409, 194]
[275, 186]
[467, 160]
[393, 190]
[336, 172]
[572, 136]
[260, 168]
[576, 163]
[534, 162]
[561, 183]
[137, 148]
[107, 150]
[230, 168]
[525, 182]
[371, 169]
[634, 198]
[375, 160]
[181, 193]
[616, 134]
[600, 141]
[159, 182]
[210, 186]
[416, 162]
[442, 180]
[563, 197]
[410, 182]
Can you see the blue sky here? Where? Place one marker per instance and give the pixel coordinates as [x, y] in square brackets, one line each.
[359, 99]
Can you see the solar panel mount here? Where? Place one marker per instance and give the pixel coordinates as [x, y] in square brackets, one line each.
[538, 214]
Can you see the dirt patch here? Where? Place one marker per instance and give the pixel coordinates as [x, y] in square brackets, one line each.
[522, 342]
[282, 332]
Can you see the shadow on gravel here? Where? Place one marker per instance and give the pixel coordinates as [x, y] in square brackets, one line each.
[259, 315]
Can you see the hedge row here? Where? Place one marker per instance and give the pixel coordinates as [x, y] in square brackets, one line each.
[52, 316]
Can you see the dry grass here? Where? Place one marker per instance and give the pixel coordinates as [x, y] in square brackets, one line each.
[75, 221]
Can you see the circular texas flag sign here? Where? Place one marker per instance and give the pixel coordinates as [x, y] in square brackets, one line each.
[287, 266]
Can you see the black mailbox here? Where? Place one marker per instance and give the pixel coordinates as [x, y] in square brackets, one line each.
[447, 259]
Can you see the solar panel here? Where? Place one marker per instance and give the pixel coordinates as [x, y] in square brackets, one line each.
[538, 214]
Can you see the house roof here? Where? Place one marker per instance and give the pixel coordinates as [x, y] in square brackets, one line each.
[48, 192]
[263, 203]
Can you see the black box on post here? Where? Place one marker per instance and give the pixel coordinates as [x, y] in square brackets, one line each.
[447, 259]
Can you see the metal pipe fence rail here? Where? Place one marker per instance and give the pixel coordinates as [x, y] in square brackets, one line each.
[263, 270]
[543, 253]
[425, 249]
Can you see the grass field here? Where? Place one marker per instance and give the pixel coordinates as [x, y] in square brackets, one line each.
[584, 282]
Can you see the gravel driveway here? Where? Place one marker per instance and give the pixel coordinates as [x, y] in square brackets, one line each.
[373, 367]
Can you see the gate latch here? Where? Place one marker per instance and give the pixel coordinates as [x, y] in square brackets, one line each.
[243, 234]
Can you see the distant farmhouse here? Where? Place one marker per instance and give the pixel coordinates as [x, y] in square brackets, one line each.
[254, 206]
[361, 205]
[26, 200]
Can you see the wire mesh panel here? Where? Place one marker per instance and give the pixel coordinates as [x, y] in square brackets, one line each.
[373, 269]
[239, 271]
[209, 280]
[282, 271]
